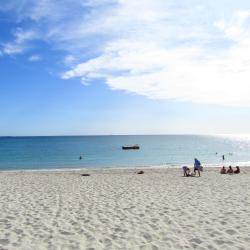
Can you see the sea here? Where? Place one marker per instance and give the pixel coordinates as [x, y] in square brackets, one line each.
[94, 152]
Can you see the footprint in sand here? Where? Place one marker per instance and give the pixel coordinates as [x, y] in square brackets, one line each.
[230, 231]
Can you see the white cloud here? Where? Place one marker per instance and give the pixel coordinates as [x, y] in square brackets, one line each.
[20, 43]
[180, 74]
[220, 24]
[145, 64]
[178, 50]
[69, 59]
[12, 48]
[34, 58]
[238, 29]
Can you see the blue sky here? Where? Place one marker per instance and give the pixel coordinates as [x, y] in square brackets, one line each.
[124, 67]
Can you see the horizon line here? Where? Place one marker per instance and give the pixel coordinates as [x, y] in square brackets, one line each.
[75, 135]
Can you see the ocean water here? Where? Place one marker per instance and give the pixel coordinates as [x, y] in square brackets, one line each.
[56, 152]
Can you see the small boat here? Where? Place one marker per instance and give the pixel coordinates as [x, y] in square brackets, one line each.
[131, 147]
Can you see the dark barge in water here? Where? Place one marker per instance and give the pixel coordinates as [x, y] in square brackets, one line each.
[130, 147]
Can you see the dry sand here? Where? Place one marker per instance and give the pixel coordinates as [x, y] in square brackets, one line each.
[118, 209]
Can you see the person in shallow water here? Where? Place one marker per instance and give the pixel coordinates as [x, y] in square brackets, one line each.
[197, 166]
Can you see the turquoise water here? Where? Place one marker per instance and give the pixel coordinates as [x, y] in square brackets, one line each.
[105, 151]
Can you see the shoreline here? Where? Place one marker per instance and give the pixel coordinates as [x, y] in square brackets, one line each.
[210, 166]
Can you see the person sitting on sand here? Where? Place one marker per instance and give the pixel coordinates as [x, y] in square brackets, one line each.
[237, 171]
[223, 170]
[197, 166]
[230, 170]
[186, 171]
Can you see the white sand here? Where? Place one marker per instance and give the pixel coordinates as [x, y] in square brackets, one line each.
[118, 209]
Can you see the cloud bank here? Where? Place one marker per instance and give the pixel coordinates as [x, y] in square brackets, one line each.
[172, 50]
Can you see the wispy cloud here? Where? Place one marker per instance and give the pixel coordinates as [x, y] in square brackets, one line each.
[35, 58]
[179, 50]
[12, 48]
[20, 42]
[69, 59]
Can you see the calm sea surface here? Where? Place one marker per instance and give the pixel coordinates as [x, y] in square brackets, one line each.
[105, 151]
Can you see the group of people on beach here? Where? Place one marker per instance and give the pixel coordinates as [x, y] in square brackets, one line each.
[230, 170]
[197, 169]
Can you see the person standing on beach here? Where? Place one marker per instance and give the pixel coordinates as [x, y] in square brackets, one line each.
[197, 166]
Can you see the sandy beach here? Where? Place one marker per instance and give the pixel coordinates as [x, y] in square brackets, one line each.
[119, 209]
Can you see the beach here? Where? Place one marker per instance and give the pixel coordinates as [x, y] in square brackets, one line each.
[120, 209]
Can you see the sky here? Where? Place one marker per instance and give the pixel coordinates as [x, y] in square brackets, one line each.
[87, 67]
